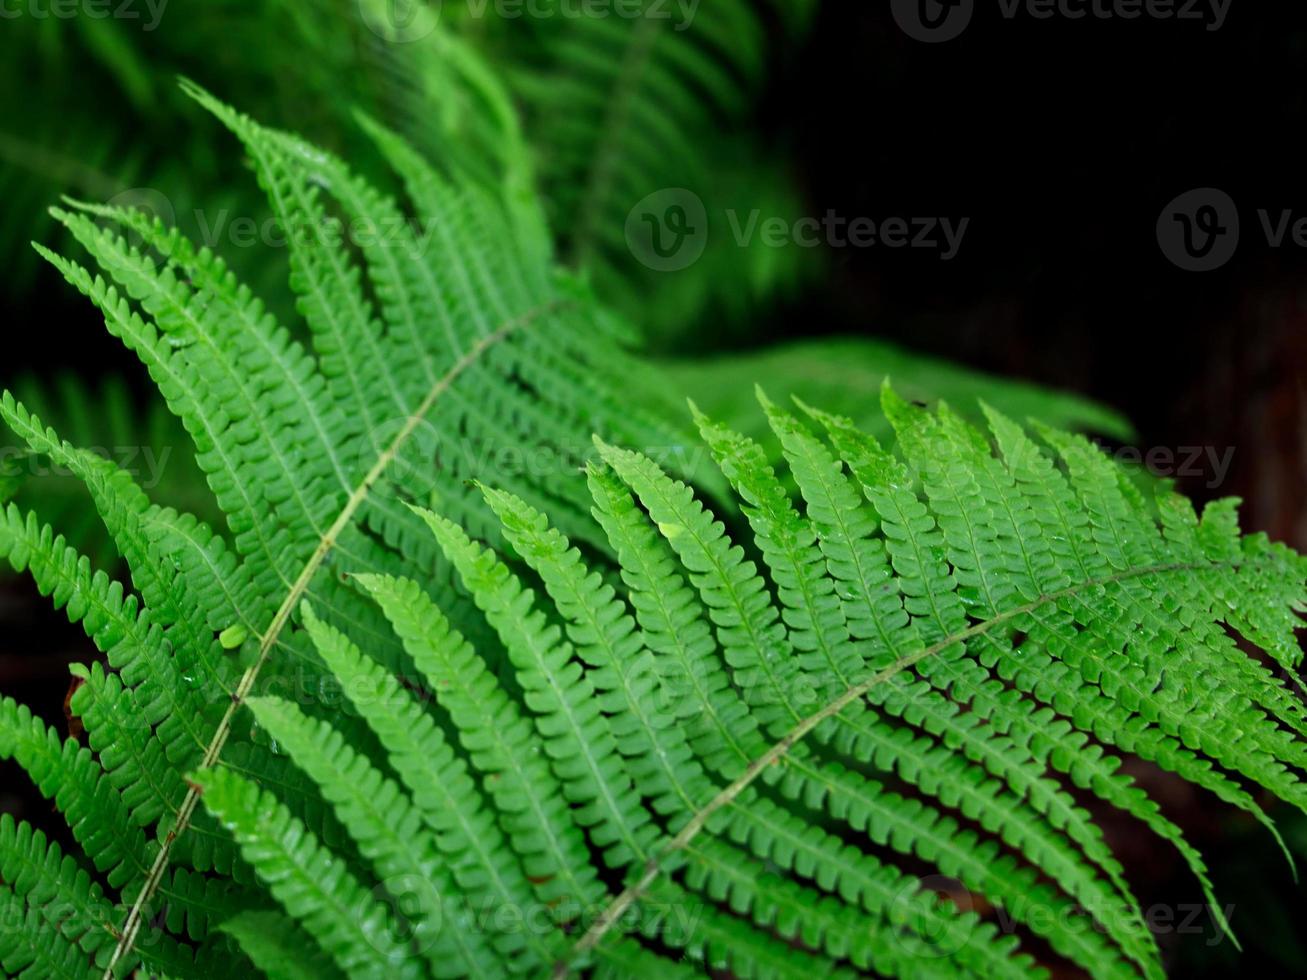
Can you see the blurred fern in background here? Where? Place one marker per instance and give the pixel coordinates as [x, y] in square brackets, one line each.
[615, 108]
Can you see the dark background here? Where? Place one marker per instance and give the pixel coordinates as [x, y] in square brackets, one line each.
[1062, 141]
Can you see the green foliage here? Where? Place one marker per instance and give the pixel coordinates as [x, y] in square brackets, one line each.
[287, 436]
[618, 107]
[148, 442]
[458, 691]
[124, 132]
[615, 108]
[594, 754]
[840, 372]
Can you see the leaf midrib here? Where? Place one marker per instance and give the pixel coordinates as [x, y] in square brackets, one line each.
[282, 617]
[799, 732]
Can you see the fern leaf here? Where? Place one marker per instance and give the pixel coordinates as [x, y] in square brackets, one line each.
[334, 907]
[725, 735]
[219, 359]
[386, 827]
[647, 736]
[277, 947]
[67, 909]
[27, 953]
[658, 759]
[440, 787]
[567, 715]
[69, 776]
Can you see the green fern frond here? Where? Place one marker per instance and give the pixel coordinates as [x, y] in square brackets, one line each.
[821, 698]
[425, 711]
[359, 402]
[332, 906]
[437, 779]
[379, 817]
[821, 675]
[57, 919]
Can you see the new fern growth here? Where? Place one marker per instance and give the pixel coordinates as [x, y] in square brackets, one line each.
[418, 711]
